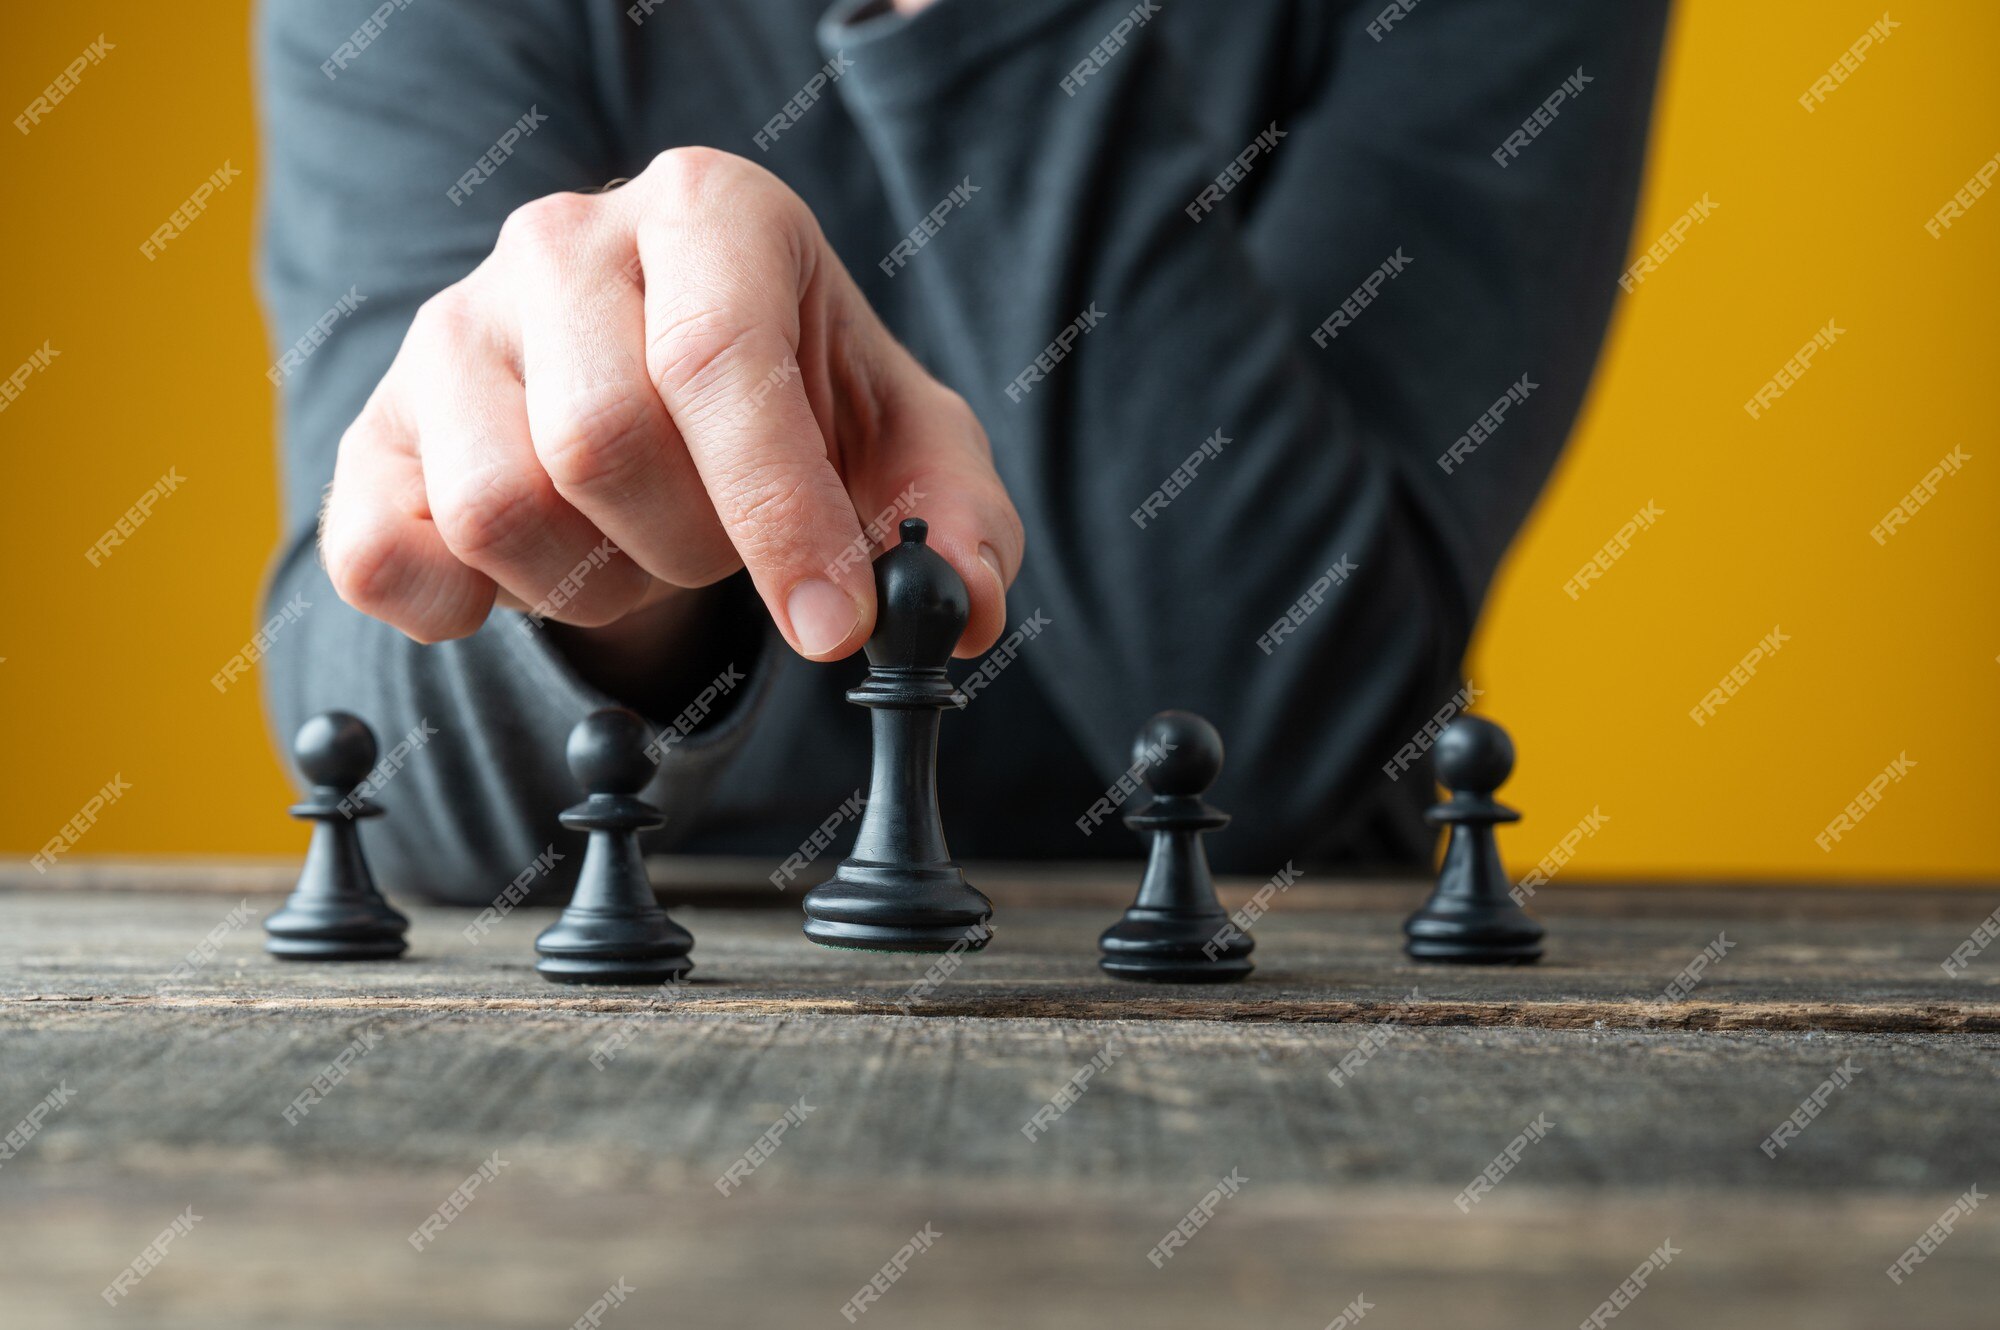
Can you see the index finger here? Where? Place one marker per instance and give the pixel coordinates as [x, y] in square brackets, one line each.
[727, 258]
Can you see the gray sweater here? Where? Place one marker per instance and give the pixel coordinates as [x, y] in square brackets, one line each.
[1277, 313]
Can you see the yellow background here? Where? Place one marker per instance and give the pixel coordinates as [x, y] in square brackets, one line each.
[1819, 216]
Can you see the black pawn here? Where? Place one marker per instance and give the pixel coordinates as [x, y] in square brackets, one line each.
[900, 890]
[612, 931]
[1176, 931]
[335, 913]
[1471, 918]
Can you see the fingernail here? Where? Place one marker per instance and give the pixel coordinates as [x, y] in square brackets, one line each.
[992, 561]
[822, 616]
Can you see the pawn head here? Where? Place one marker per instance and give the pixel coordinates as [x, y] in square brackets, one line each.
[335, 748]
[1179, 752]
[607, 752]
[1474, 754]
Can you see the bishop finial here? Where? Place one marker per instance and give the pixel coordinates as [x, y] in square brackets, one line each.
[921, 604]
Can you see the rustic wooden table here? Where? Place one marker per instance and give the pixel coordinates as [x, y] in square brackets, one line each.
[174, 1091]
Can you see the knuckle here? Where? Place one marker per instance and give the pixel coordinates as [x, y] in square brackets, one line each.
[364, 561]
[550, 222]
[447, 317]
[962, 421]
[954, 407]
[694, 350]
[685, 184]
[693, 170]
[597, 442]
[488, 513]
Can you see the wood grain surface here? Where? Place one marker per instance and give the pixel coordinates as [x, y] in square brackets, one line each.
[177, 1091]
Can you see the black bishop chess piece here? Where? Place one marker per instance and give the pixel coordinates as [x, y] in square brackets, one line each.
[1176, 931]
[335, 913]
[612, 931]
[1472, 918]
[900, 890]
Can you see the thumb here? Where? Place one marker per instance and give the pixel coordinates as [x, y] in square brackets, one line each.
[934, 463]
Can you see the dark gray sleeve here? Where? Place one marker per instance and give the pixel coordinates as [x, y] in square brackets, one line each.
[375, 196]
[1102, 333]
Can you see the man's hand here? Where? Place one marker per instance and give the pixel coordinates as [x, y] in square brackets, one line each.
[681, 367]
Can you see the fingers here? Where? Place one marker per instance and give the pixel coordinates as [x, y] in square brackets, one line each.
[599, 430]
[495, 507]
[382, 553]
[659, 386]
[728, 252]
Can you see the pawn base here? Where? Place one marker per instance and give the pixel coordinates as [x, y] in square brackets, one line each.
[876, 907]
[368, 931]
[1175, 948]
[593, 947]
[613, 970]
[1477, 953]
[336, 948]
[1486, 937]
[1165, 970]
[863, 937]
